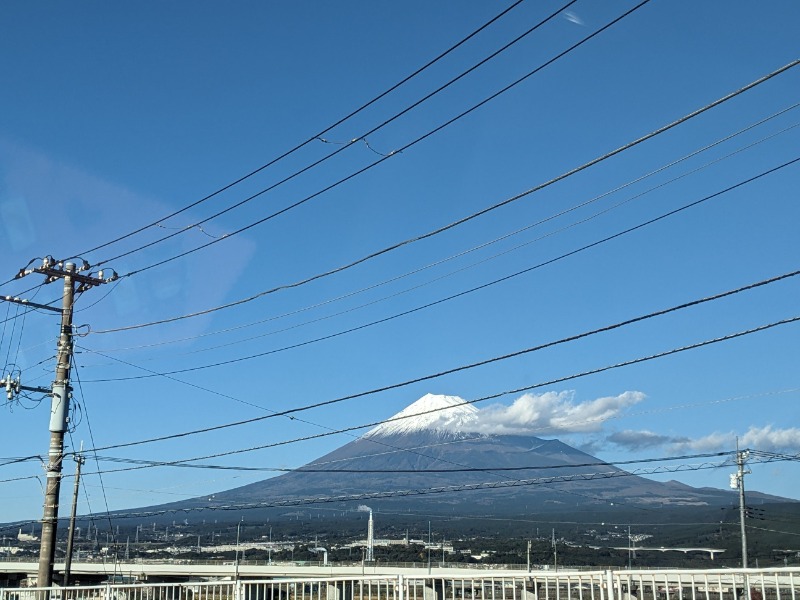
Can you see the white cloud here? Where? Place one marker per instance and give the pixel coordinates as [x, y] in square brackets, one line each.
[772, 440]
[551, 413]
[572, 17]
[765, 438]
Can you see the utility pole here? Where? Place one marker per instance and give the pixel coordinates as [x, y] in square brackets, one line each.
[238, 533]
[79, 460]
[529, 556]
[74, 281]
[737, 481]
[59, 411]
[629, 547]
[429, 547]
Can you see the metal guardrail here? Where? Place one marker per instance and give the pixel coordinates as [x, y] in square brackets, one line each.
[718, 584]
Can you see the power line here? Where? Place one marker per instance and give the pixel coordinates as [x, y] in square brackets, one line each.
[544, 481]
[20, 459]
[307, 422]
[776, 455]
[315, 136]
[488, 470]
[19, 302]
[362, 137]
[378, 442]
[399, 449]
[464, 292]
[115, 542]
[474, 248]
[518, 353]
[427, 491]
[379, 161]
[537, 431]
[554, 381]
[14, 479]
[458, 222]
[101, 298]
[312, 469]
[771, 530]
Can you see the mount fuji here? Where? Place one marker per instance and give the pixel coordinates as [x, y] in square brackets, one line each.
[428, 455]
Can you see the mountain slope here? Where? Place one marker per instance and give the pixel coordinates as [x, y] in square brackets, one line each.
[429, 435]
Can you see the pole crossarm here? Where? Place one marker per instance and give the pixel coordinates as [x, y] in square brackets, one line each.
[13, 387]
[54, 269]
[23, 302]
[85, 281]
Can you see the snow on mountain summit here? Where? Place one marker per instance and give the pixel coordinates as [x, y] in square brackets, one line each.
[432, 412]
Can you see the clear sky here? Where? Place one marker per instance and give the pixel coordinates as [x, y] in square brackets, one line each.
[113, 116]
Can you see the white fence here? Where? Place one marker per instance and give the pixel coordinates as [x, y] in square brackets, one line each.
[750, 584]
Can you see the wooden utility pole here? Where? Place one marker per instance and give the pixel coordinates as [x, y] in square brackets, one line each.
[59, 411]
[79, 460]
[75, 280]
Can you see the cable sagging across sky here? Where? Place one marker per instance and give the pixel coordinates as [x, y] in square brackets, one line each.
[313, 137]
[463, 220]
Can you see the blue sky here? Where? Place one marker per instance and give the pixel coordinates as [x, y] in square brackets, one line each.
[115, 116]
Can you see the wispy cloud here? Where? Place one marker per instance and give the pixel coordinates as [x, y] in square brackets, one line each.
[572, 17]
[551, 413]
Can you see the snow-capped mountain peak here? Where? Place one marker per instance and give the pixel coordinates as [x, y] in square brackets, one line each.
[432, 412]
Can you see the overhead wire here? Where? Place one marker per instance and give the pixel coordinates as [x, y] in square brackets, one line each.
[5, 321]
[465, 219]
[23, 320]
[362, 137]
[771, 530]
[28, 308]
[310, 468]
[406, 383]
[11, 340]
[332, 431]
[379, 161]
[423, 491]
[414, 451]
[463, 292]
[23, 478]
[379, 442]
[472, 249]
[438, 409]
[442, 489]
[297, 204]
[101, 298]
[776, 455]
[583, 422]
[316, 135]
[94, 454]
[401, 449]
[20, 459]
[19, 338]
